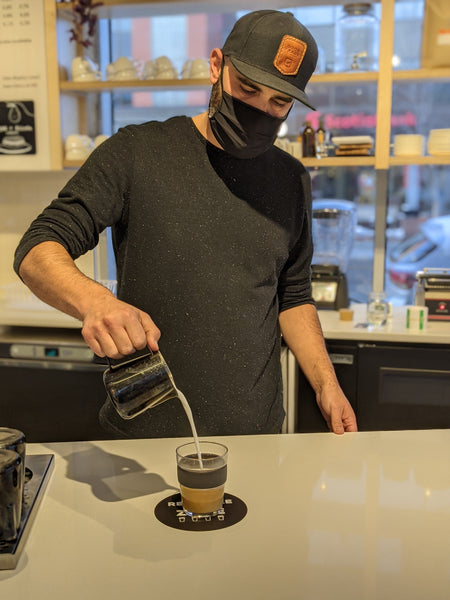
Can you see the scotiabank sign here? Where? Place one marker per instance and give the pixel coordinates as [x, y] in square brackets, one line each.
[359, 121]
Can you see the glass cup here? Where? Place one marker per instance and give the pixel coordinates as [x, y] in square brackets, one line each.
[202, 484]
[14, 439]
[377, 308]
[11, 494]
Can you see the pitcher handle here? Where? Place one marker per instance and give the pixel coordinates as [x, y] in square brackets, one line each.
[127, 360]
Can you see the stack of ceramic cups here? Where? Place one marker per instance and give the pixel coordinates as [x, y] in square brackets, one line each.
[438, 142]
[409, 145]
[78, 147]
[83, 69]
[195, 68]
[12, 479]
[164, 68]
[123, 69]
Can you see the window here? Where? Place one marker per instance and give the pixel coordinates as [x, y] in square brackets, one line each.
[416, 193]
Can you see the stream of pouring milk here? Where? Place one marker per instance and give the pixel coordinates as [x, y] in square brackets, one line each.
[188, 411]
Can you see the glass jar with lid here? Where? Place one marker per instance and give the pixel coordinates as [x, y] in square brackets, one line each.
[357, 38]
[377, 308]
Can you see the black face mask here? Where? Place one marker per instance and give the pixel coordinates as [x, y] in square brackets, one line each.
[242, 130]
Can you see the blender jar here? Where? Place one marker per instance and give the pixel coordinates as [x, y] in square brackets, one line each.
[333, 226]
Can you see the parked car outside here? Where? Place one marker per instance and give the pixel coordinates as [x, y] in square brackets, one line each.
[429, 247]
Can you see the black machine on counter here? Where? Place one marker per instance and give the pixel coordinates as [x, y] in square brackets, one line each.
[329, 287]
[433, 291]
[333, 227]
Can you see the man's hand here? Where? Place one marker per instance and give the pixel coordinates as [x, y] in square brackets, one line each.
[336, 410]
[115, 329]
[110, 327]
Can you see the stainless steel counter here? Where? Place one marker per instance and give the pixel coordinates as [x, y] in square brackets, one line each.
[362, 516]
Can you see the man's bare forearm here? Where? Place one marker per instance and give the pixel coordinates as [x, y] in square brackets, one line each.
[302, 332]
[51, 274]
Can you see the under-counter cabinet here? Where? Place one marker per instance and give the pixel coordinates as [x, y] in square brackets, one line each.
[390, 386]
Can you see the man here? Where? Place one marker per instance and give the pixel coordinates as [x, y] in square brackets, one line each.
[212, 237]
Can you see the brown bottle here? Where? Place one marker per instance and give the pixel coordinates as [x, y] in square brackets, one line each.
[308, 140]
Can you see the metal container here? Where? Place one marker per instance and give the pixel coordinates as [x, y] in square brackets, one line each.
[139, 383]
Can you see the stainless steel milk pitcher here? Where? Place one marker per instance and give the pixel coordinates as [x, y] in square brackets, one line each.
[139, 383]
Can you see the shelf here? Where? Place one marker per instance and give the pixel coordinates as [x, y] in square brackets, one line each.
[137, 84]
[443, 159]
[345, 78]
[163, 84]
[339, 161]
[342, 161]
[112, 9]
[421, 74]
[331, 161]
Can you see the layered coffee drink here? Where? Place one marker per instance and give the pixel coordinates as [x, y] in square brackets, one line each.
[202, 485]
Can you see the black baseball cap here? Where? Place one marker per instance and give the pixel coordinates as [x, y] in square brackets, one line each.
[272, 48]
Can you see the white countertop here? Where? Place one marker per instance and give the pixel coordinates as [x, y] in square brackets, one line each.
[394, 330]
[362, 516]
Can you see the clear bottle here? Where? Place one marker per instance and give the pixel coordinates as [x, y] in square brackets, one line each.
[321, 141]
[377, 308]
[357, 38]
[308, 140]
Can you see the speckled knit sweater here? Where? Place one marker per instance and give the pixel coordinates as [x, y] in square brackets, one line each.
[212, 247]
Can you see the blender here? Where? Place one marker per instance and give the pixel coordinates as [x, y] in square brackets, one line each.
[333, 228]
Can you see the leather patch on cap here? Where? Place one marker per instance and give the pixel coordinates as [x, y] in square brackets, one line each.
[290, 55]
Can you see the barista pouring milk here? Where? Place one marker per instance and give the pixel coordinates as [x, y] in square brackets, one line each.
[212, 237]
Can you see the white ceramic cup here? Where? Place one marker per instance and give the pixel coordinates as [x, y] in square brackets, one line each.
[84, 69]
[124, 63]
[123, 69]
[148, 70]
[186, 70]
[163, 63]
[199, 69]
[99, 139]
[164, 68]
[77, 147]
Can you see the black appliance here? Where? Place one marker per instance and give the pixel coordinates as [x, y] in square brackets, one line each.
[52, 386]
[329, 287]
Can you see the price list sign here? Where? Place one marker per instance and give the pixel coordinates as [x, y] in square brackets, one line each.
[24, 135]
[15, 14]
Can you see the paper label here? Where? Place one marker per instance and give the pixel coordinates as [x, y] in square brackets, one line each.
[443, 37]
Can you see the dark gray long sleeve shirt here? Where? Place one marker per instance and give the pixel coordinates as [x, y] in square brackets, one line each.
[212, 248]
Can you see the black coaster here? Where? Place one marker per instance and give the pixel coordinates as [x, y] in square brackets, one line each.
[170, 512]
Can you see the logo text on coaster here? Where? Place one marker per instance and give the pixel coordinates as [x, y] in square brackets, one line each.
[170, 512]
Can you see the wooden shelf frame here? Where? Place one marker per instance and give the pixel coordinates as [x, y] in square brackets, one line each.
[134, 84]
[385, 78]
